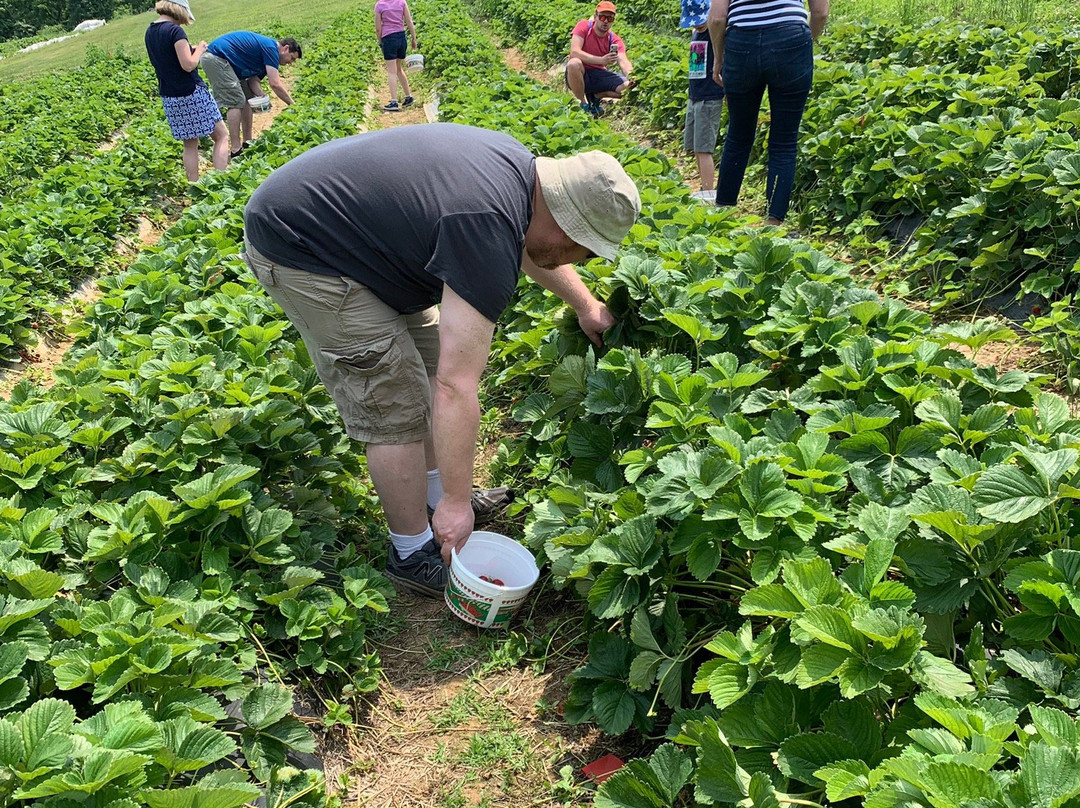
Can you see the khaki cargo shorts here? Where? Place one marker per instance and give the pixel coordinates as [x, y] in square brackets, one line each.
[230, 91]
[374, 361]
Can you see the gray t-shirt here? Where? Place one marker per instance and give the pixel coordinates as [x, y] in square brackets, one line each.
[403, 211]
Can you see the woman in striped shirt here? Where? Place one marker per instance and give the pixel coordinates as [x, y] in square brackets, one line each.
[763, 45]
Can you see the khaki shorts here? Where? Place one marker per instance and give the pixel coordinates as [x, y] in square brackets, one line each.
[230, 91]
[374, 361]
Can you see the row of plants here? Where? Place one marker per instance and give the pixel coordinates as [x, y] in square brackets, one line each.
[661, 15]
[910, 12]
[61, 225]
[65, 224]
[46, 121]
[967, 135]
[826, 556]
[176, 519]
[1052, 61]
[981, 158]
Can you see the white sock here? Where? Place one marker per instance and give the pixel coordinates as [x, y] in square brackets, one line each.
[407, 545]
[434, 488]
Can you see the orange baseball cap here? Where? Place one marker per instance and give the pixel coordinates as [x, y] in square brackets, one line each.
[605, 5]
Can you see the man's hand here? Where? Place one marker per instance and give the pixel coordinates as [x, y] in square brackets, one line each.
[452, 525]
[594, 319]
[564, 282]
[609, 59]
[718, 68]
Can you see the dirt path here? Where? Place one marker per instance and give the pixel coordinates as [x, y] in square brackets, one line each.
[516, 60]
[379, 95]
[467, 718]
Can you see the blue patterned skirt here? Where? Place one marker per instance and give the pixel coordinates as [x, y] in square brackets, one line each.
[192, 116]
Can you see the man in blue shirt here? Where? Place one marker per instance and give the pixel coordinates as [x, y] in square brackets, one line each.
[235, 65]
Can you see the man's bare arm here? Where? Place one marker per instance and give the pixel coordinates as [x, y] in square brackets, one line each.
[464, 344]
[564, 283]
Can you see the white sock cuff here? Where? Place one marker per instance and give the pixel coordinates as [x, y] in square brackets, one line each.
[407, 545]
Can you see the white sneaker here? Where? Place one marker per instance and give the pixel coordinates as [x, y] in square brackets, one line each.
[704, 196]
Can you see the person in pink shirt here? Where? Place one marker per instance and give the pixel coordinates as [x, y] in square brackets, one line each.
[392, 17]
[594, 50]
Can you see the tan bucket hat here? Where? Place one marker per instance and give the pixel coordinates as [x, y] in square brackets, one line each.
[592, 199]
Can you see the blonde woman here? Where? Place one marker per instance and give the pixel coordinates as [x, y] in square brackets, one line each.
[189, 107]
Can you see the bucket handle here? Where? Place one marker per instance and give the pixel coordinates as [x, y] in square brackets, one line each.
[496, 605]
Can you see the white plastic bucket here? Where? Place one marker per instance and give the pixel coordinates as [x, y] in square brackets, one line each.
[414, 62]
[260, 103]
[485, 603]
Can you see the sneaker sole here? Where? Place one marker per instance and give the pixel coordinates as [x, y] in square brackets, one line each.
[409, 585]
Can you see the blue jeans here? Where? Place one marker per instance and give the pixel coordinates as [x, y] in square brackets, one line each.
[778, 58]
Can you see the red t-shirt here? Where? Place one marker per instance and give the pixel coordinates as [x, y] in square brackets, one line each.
[596, 45]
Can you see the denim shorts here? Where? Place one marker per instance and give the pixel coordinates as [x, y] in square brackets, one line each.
[374, 361]
[599, 80]
[394, 46]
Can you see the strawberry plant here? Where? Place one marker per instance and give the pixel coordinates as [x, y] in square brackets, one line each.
[46, 126]
[174, 519]
[820, 546]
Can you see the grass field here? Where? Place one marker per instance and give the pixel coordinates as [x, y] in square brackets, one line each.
[280, 17]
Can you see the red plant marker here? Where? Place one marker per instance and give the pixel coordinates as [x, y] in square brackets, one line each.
[602, 768]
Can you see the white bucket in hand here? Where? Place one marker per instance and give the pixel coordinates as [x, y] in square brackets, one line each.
[511, 572]
[260, 103]
[414, 62]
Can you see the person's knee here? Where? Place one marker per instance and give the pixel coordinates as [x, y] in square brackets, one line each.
[575, 66]
[784, 148]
